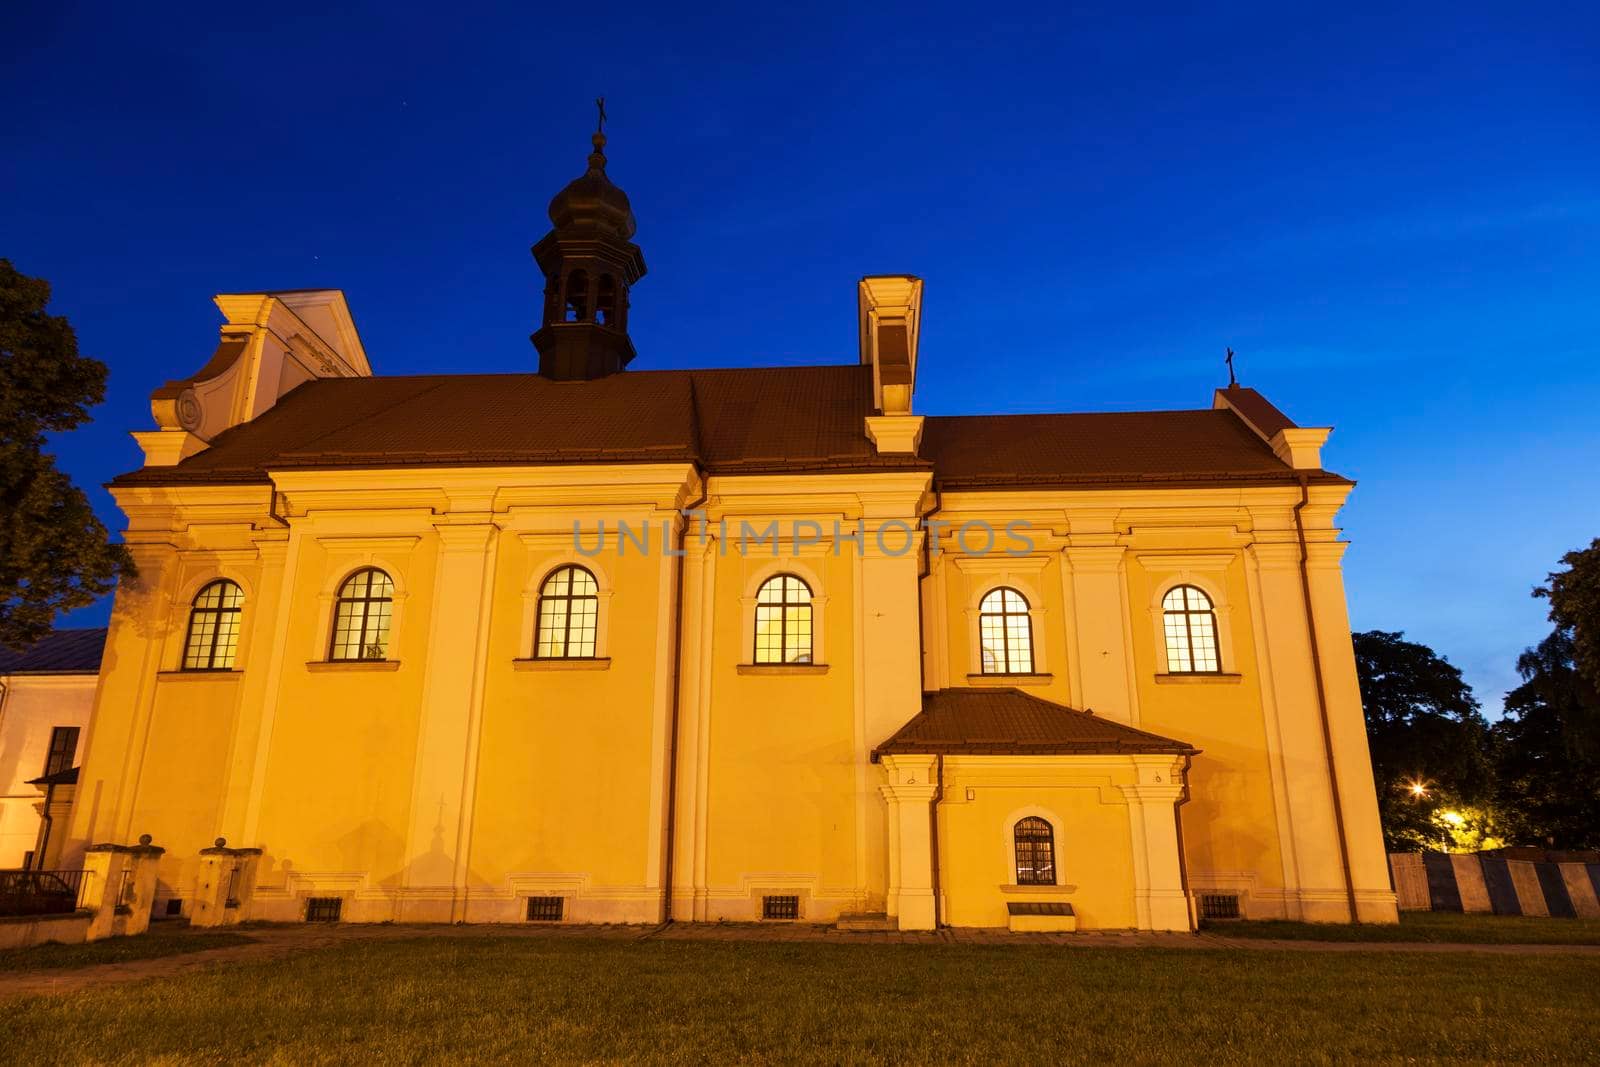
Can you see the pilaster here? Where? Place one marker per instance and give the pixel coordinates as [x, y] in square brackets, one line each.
[1099, 613]
[438, 841]
[1159, 900]
[909, 794]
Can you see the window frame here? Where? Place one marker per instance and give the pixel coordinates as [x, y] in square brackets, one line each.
[219, 614]
[1004, 615]
[341, 597]
[75, 733]
[785, 606]
[568, 598]
[1188, 615]
[1029, 825]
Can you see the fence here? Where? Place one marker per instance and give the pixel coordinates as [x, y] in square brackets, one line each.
[42, 892]
[1511, 881]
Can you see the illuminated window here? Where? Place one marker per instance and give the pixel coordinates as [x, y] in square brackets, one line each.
[213, 628]
[569, 606]
[1190, 625]
[1005, 633]
[361, 617]
[783, 620]
[1036, 851]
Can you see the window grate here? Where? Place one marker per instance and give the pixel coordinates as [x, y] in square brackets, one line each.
[324, 909]
[780, 907]
[174, 908]
[546, 909]
[1215, 906]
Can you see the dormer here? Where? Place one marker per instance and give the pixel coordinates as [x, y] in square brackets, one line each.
[890, 315]
[271, 342]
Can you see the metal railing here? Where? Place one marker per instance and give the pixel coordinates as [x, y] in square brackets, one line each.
[42, 892]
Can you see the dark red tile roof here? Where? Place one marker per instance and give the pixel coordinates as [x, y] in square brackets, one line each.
[1104, 448]
[748, 420]
[1009, 722]
[1257, 410]
[59, 652]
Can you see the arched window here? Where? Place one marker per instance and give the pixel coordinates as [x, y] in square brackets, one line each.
[605, 304]
[1190, 624]
[1036, 851]
[1005, 633]
[361, 617]
[783, 620]
[213, 627]
[577, 309]
[569, 607]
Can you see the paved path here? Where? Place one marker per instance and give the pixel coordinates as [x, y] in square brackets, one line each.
[277, 942]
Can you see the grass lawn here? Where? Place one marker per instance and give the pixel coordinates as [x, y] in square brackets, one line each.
[1439, 927]
[160, 941]
[579, 1000]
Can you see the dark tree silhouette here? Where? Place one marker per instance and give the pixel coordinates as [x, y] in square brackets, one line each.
[54, 552]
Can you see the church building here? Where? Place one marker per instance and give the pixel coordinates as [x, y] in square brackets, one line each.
[607, 643]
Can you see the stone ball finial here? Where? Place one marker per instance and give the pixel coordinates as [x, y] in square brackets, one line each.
[144, 839]
[221, 842]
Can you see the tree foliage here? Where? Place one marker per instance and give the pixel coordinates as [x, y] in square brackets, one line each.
[1548, 750]
[54, 552]
[1574, 596]
[1424, 729]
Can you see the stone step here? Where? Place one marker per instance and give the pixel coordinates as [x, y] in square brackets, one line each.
[865, 921]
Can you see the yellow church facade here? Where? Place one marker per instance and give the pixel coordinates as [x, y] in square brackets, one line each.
[602, 644]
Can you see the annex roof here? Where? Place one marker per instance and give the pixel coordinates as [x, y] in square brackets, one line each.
[1009, 722]
[58, 652]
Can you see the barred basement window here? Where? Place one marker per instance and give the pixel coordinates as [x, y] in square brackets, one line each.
[545, 909]
[1219, 905]
[780, 907]
[1036, 851]
[324, 909]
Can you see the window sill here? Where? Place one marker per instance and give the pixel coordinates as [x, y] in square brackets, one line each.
[198, 676]
[573, 663]
[783, 668]
[1038, 890]
[1010, 679]
[320, 665]
[1198, 678]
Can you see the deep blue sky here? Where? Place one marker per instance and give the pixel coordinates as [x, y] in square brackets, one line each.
[1395, 220]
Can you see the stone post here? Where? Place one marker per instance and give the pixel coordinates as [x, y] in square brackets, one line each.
[122, 887]
[226, 882]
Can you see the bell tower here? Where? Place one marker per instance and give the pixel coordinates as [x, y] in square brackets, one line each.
[589, 262]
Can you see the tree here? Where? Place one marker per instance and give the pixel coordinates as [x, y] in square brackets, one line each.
[1549, 762]
[54, 552]
[1430, 744]
[1574, 596]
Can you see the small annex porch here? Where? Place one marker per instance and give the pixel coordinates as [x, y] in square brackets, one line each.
[1009, 811]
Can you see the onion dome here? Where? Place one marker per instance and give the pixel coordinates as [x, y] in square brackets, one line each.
[592, 200]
